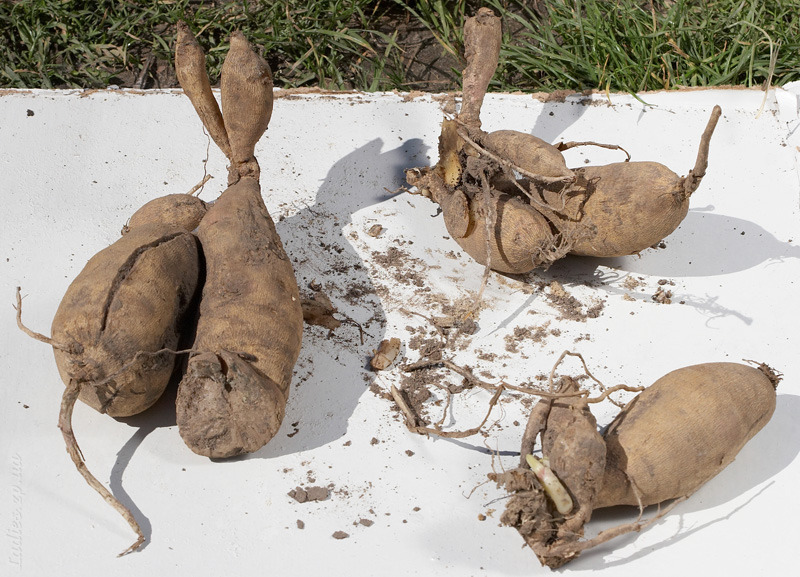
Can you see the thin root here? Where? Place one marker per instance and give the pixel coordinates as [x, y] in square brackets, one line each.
[34, 334]
[65, 424]
[572, 549]
[199, 185]
[128, 365]
[489, 222]
[412, 419]
[605, 390]
[585, 368]
[562, 146]
[470, 377]
[537, 178]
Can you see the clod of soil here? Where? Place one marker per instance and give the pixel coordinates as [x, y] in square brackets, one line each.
[314, 493]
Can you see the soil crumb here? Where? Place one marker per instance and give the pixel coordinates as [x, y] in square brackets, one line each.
[569, 306]
[304, 495]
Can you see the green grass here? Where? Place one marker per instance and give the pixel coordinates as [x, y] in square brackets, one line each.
[635, 46]
[617, 45]
[90, 43]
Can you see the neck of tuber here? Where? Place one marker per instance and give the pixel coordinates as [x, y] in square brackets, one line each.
[243, 169]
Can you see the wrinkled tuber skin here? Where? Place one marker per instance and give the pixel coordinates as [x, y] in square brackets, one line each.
[127, 303]
[574, 450]
[520, 237]
[519, 188]
[713, 410]
[233, 396]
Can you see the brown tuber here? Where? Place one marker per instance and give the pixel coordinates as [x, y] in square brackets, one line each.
[473, 182]
[667, 442]
[233, 396]
[114, 332]
[128, 300]
[700, 415]
[634, 205]
[509, 199]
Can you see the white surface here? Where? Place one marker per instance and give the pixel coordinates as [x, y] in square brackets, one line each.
[74, 172]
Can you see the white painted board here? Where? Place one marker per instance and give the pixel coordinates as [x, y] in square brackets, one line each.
[75, 165]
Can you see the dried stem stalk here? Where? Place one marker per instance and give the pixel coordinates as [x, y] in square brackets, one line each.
[692, 180]
[482, 38]
[190, 67]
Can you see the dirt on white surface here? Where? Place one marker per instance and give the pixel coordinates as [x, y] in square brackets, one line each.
[74, 166]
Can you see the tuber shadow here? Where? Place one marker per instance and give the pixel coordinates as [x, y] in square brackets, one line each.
[332, 374]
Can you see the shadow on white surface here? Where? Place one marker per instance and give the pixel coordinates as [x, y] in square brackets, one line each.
[160, 415]
[708, 244]
[336, 371]
[704, 245]
[332, 372]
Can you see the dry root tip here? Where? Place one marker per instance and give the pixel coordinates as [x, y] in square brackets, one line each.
[138, 543]
[774, 376]
[68, 400]
[482, 40]
[199, 185]
[72, 349]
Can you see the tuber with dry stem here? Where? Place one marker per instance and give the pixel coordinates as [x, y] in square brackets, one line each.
[509, 199]
[668, 441]
[473, 181]
[116, 328]
[634, 205]
[233, 395]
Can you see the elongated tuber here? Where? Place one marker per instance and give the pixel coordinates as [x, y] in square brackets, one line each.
[233, 396]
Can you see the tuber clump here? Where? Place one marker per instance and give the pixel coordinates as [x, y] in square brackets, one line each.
[115, 331]
[509, 199]
[668, 441]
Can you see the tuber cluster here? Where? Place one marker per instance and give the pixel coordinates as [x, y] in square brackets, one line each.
[510, 201]
[232, 397]
[217, 277]
[116, 330]
[667, 442]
